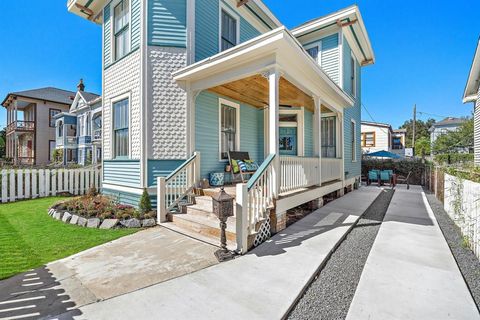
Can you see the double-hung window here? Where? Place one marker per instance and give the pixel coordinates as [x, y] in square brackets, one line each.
[120, 129]
[122, 29]
[353, 140]
[313, 52]
[228, 130]
[329, 137]
[368, 139]
[51, 114]
[353, 76]
[228, 34]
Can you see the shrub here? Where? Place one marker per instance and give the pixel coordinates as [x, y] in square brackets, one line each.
[92, 192]
[402, 167]
[451, 158]
[145, 205]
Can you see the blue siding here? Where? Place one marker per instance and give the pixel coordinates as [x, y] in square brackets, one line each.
[123, 197]
[135, 30]
[207, 132]
[352, 169]
[167, 23]
[347, 65]
[330, 58]
[122, 172]
[308, 131]
[107, 52]
[84, 139]
[207, 26]
[161, 168]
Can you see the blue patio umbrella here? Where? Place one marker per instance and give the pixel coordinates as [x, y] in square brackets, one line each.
[383, 154]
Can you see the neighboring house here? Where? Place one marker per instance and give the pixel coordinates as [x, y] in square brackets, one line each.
[472, 94]
[79, 131]
[380, 136]
[31, 124]
[208, 76]
[442, 127]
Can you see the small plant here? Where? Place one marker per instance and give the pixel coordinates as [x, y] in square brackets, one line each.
[92, 192]
[465, 242]
[145, 205]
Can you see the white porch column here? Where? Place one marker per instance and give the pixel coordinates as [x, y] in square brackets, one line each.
[273, 124]
[317, 134]
[191, 99]
[15, 137]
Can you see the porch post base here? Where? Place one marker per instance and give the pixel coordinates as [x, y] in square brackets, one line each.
[278, 221]
[319, 202]
[340, 193]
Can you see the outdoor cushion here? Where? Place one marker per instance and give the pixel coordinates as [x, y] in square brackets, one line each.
[372, 175]
[251, 165]
[384, 175]
[235, 167]
[242, 165]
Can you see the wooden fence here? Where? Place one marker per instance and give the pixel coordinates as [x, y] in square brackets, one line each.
[17, 184]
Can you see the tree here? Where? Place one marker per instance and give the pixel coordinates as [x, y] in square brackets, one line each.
[145, 204]
[422, 146]
[452, 141]
[421, 130]
[3, 139]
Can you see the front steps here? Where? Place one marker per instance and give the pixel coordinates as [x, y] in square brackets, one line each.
[198, 221]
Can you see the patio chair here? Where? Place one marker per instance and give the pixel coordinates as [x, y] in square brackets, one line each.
[239, 155]
[373, 175]
[386, 176]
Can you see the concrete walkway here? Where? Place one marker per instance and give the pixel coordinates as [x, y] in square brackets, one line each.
[119, 267]
[410, 272]
[261, 285]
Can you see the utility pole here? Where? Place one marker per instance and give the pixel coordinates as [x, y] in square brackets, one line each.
[414, 124]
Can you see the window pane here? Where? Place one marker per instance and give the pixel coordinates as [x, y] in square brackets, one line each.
[329, 143]
[313, 52]
[228, 127]
[228, 31]
[120, 126]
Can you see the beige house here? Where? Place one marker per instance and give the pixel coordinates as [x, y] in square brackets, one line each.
[31, 124]
[380, 136]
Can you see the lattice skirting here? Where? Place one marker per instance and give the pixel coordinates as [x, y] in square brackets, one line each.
[263, 233]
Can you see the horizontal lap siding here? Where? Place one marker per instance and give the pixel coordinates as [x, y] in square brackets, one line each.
[353, 168]
[161, 168]
[207, 132]
[128, 198]
[207, 26]
[167, 21]
[308, 132]
[125, 173]
[136, 6]
[331, 57]
[476, 123]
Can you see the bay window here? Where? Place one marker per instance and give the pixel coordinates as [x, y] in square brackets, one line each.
[120, 129]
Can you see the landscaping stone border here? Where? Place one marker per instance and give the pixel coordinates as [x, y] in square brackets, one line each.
[96, 223]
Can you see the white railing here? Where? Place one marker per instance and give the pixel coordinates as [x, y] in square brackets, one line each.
[331, 169]
[97, 134]
[298, 172]
[462, 204]
[254, 199]
[172, 189]
[18, 184]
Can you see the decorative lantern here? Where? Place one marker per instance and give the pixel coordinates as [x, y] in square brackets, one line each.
[223, 208]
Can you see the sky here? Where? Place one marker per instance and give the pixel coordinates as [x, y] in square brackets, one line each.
[423, 51]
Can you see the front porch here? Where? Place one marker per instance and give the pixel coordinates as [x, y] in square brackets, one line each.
[266, 97]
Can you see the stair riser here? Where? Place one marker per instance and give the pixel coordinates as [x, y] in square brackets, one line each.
[202, 229]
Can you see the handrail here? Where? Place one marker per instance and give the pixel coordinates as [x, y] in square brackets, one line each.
[260, 171]
[183, 165]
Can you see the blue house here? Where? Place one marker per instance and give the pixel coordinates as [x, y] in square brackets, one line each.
[78, 132]
[187, 81]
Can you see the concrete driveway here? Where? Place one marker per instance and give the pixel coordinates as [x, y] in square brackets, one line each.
[125, 265]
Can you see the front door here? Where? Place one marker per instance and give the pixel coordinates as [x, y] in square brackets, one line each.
[288, 141]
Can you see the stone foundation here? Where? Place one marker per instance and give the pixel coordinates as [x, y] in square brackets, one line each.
[278, 221]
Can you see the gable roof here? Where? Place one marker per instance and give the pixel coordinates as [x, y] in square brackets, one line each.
[48, 94]
[89, 96]
[471, 88]
[376, 124]
[354, 30]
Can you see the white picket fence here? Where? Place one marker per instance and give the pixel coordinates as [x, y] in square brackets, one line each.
[462, 203]
[16, 184]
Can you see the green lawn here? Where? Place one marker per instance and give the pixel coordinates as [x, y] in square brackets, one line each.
[29, 237]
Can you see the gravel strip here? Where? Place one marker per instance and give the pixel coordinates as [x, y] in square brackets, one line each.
[467, 262]
[329, 296]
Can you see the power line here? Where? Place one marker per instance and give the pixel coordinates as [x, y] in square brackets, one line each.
[371, 117]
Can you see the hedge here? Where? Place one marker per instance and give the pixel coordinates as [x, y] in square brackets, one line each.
[449, 158]
[400, 167]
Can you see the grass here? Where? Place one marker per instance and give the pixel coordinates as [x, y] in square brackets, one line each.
[29, 237]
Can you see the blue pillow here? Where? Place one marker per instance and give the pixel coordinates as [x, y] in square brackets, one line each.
[252, 166]
[242, 165]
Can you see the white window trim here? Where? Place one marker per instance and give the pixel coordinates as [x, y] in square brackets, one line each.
[235, 15]
[237, 136]
[114, 100]
[354, 148]
[113, 4]
[319, 45]
[300, 128]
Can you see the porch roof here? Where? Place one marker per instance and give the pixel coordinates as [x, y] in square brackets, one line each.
[277, 48]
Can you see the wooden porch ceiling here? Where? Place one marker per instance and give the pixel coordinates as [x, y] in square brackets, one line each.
[254, 91]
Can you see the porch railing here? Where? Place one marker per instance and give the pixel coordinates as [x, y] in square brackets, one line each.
[254, 199]
[172, 189]
[331, 169]
[298, 173]
[21, 125]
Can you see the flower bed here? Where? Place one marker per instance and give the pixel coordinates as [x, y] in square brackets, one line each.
[98, 211]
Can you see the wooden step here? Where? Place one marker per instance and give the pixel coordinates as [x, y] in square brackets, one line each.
[204, 224]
